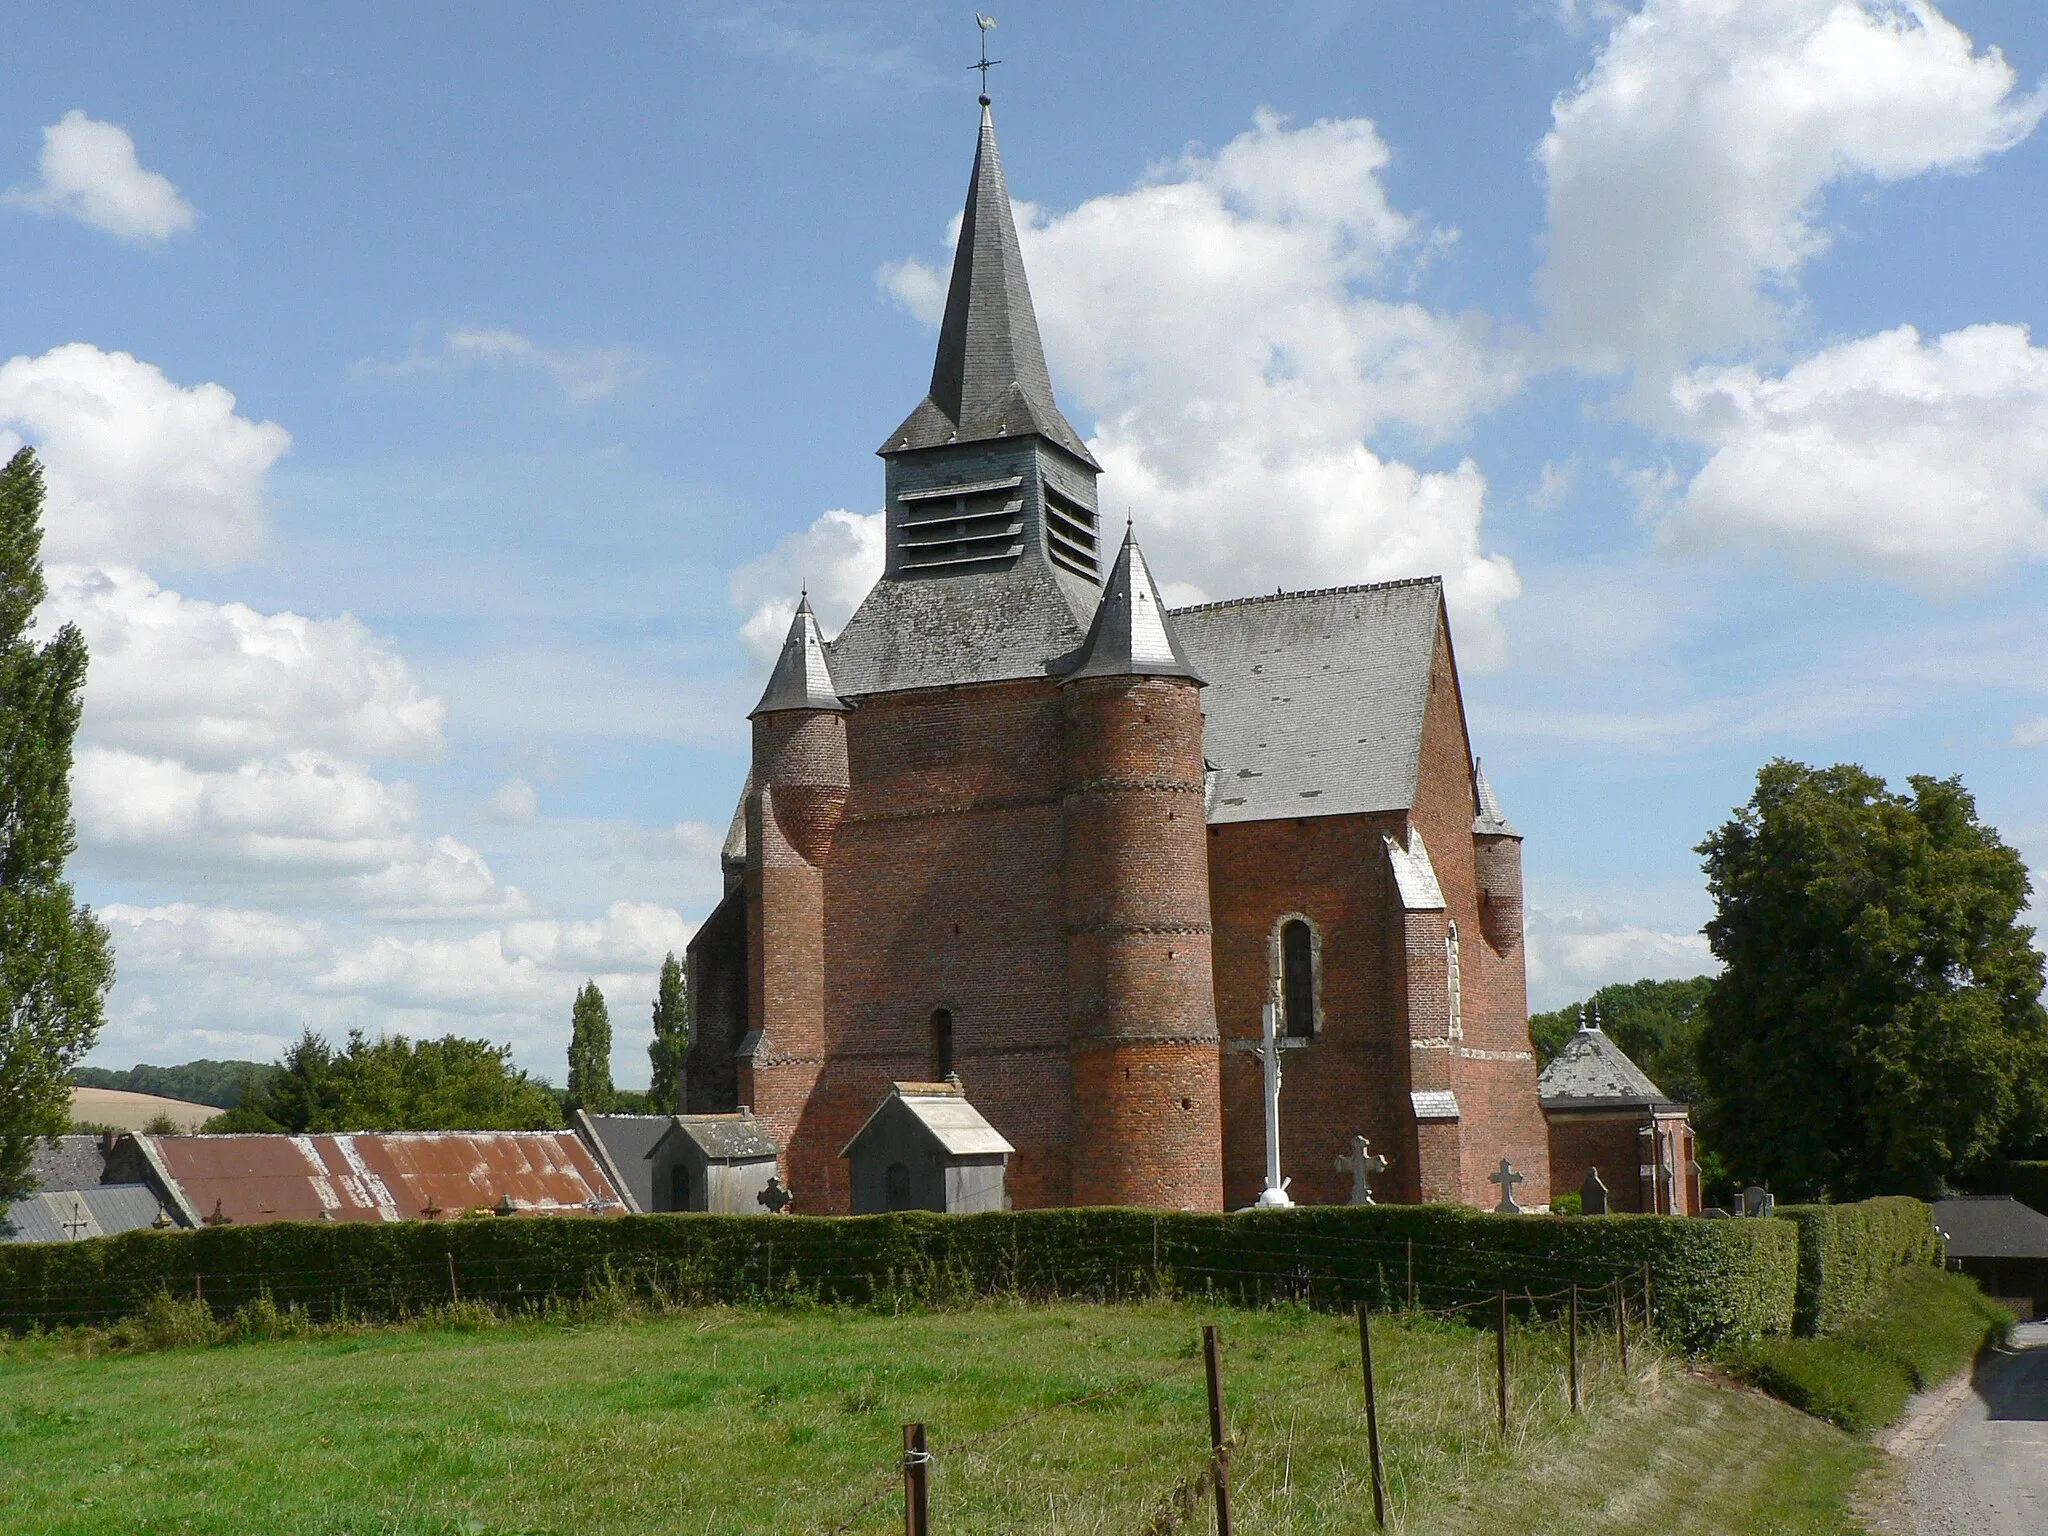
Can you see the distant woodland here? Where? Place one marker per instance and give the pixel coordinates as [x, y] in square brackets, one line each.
[220, 1083]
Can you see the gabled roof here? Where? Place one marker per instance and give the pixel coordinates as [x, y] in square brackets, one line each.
[1991, 1227]
[802, 679]
[989, 378]
[622, 1143]
[942, 1109]
[1491, 821]
[733, 1138]
[1131, 635]
[1315, 699]
[1592, 1072]
[70, 1215]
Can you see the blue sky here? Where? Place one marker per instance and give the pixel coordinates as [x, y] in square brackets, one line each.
[559, 345]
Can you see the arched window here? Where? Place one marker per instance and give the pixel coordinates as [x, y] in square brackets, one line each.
[896, 1188]
[1298, 978]
[942, 1044]
[1452, 966]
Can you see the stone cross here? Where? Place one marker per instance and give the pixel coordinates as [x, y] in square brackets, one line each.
[1267, 1048]
[1364, 1168]
[1506, 1177]
[1593, 1194]
[775, 1197]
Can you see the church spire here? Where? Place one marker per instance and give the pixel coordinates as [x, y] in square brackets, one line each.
[989, 379]
[802, 679]
[1132, 635]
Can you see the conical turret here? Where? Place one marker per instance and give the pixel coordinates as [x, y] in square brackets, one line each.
[1491, 820]
[1132, 636]
[802, 678]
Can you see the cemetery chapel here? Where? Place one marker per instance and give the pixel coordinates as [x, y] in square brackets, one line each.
[1022, 826]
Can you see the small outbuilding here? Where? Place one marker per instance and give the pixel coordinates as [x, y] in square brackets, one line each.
[925, 1148]
[718, 1163]
[2000, 1242]
[1605, 1114]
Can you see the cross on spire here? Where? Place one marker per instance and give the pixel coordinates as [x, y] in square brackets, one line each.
[1365, 1166]
[987, 63]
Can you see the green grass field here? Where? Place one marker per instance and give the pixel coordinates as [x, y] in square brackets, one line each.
[728, 1420]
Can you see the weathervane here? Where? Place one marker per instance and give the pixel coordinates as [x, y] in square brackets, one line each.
[987, 63]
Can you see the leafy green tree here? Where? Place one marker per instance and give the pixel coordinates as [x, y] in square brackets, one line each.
[590, 1052]
[671, 1041]
[1878, 1027]
[56, 963]
[395, 1084]
[1657, 1023]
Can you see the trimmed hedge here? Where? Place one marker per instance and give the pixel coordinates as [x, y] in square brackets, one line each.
[1849, 1256]
[1714, 1281]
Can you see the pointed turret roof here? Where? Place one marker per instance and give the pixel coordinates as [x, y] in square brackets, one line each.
[1132, 635]
[1491, 821]
[989, 378]
[801, 679]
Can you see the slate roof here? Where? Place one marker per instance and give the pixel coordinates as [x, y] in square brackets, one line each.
[1491, 821]
[1131, 635]
[66, 1162]
[942, 1109]
[1414, 876]
[623, 1144]
[734, 1138]
[1991, 1227]
[71, 1215]
[1315, 699]
[989, 378]
[802, 678]
[978, 628]
[1592, 1072]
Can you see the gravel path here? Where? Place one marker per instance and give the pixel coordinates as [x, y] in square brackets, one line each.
[1980, 1468]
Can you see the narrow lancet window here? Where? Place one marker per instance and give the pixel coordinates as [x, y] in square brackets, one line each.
[1298, 978]
[942, 1045]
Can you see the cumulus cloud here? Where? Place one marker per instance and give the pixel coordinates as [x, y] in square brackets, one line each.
[137, 467]
[1922, 461]
[1684, 171]
[582, 374]
[90, 173]
[1224, 323]
[836, 560]
[2031, 733]
[513, 803]
[1574, 952]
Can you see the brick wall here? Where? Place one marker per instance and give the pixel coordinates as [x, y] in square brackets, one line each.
[1604, 1140]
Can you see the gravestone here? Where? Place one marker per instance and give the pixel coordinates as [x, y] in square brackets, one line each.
[1364, 1166]
[1506, 1177]
[1593, 1194]
[774, 1197]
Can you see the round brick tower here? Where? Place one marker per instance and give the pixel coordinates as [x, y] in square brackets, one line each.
[1147, 1120]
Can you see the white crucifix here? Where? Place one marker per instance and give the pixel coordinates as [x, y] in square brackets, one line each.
[1364, 1166]
[1267, 1048]
[1507, 1179]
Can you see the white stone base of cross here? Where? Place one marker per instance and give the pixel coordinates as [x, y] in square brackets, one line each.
[1364, 1167]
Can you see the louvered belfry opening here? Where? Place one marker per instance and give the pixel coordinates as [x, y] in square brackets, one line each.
[1070, 535]
[960, 527]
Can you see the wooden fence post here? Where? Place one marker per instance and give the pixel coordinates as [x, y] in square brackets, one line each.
[1372, 1418]
[1411, 1274]
[1621, 1324]
[1649, 1321]
[917, 1463]
[1575, 1348]
[454, 1293]
[1500, 1356]
[1219, 1449]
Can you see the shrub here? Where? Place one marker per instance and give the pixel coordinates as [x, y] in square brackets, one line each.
[1849, 1255]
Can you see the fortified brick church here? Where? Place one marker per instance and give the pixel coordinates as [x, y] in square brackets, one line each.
[1023, 825]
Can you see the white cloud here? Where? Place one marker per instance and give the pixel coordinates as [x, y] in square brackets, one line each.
[836, 560]
[1219, 321]
[138, 467]
[1684, 170]
[1925, 462]
[1573, 953]
[513, 803]
[582, 374]
[2031, 733]
[90, 173]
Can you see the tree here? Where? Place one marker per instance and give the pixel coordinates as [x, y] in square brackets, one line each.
[1657, 1023]
[1878, 1027]
[394, 1084]
[56, 963]
[590, 1052]
[671, 1039]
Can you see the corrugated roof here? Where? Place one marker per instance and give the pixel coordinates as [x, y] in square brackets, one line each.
[1592, 1072]
[384, 1175]
[1991, 1227]
[943, 1110]
[989, 377]
[66, 1162]
[1315, 699]
[71, 1215]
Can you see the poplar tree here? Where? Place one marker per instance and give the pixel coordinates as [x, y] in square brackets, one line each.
[671, 1040]
[590, 1052]
[55, 960]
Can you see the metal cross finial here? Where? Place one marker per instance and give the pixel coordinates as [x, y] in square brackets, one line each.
[987, 63]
